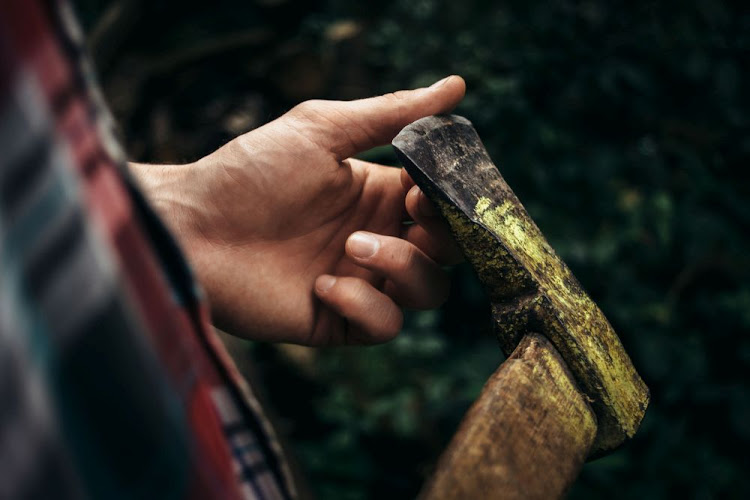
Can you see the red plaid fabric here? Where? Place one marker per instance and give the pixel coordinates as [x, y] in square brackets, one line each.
[112, 382]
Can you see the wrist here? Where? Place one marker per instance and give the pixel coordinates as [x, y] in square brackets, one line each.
[170, 191]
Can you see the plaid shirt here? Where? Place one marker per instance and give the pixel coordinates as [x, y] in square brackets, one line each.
[112, 383]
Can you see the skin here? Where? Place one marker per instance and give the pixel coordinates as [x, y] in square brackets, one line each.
[277, 223]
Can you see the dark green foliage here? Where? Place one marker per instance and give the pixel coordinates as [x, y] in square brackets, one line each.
[624, 129]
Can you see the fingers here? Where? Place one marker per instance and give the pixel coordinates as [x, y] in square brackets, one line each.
[431, 233]
[406, 181]
[367, 309]
[346, 128]
[412, 280]
[416, 281]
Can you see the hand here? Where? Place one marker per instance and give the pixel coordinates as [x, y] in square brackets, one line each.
[296, 241]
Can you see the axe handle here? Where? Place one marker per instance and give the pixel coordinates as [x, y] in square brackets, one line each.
[525, 437]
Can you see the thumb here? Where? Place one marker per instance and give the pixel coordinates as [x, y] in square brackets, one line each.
[346, 128]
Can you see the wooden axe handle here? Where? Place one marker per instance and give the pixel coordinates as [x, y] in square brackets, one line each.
[525, 437]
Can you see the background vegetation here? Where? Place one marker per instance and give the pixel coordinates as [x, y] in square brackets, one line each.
[622, 126]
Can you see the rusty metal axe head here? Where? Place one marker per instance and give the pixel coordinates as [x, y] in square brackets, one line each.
[530, 287]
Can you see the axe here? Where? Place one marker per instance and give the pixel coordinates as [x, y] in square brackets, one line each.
[568, 390]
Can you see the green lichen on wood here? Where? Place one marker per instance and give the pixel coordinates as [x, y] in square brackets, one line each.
[565, 314]
[530, 288]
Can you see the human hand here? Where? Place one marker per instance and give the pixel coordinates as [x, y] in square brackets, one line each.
[296, 241]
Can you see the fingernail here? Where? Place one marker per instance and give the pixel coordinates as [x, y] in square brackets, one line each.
[325, 283]
[440, 83]
[363, 245]
[425, 205]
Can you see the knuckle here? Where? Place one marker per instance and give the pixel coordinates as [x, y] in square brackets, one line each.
[347, 293]
[307, 109]
[398, 96]
[405, 258]
[354, 295]
[391, 97]
[397, 101]
[359, 293]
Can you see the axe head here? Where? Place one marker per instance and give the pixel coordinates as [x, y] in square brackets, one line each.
[530, 287]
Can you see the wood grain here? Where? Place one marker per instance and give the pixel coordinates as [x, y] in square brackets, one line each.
[526, 436]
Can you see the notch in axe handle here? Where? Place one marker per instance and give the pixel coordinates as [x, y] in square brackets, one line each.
[568, 389]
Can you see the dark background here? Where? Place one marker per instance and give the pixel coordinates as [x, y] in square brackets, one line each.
[622, 126]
